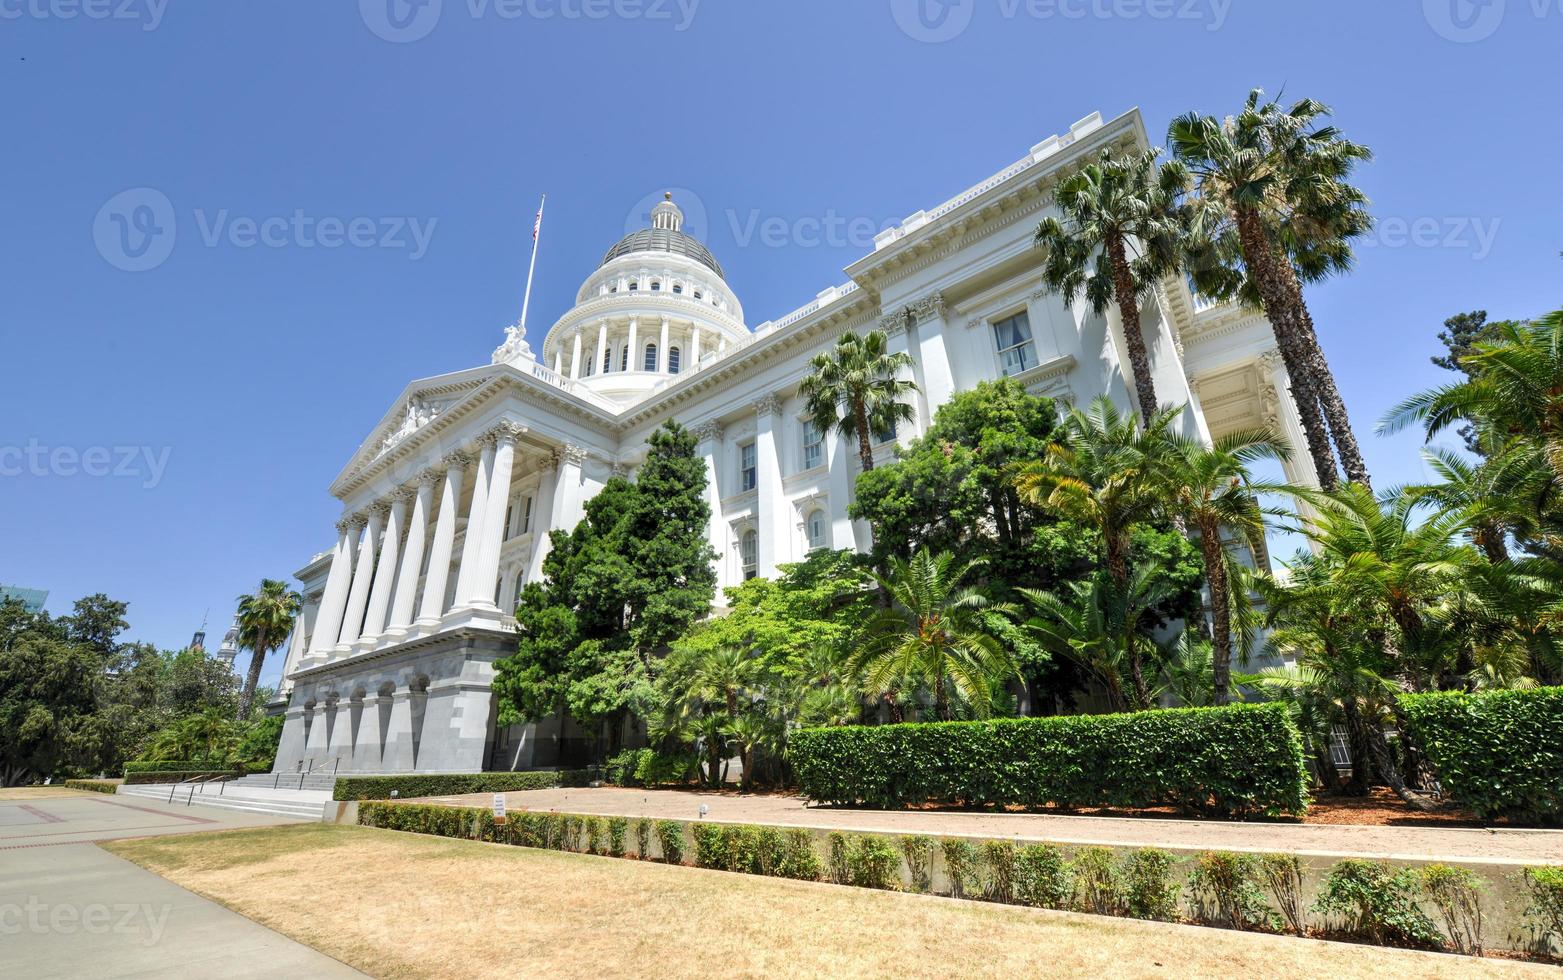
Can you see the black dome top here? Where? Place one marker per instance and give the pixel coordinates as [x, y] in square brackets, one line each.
[664, 240]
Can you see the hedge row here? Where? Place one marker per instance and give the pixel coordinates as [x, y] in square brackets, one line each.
[414, 786]
[554, 831]
[170, 765]
[173, 776]
[1498, 752]
[1230, 761]
[93, 785]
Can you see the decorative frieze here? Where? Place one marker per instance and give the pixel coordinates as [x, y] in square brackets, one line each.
[767, 404]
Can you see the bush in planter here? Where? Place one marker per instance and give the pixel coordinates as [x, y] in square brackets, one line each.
[918, 851]
[1378, 903]
[643, 839]
[618, 828]
[1457, 895]
[999, 857]
[622, 768]
[1099, 883]
[799, 860]
[872, 862]
[1283, 877]
[1234, 760]
[1545, 910]
[1043, 878]
[962, 866]
[670, 836]
[1226, 890]
[1498, 752]
[1148, 880]
[412, 787]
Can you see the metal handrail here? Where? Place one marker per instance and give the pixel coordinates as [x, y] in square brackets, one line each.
[190, 782]
[335, 765]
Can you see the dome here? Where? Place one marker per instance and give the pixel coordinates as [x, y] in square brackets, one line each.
[665, 235]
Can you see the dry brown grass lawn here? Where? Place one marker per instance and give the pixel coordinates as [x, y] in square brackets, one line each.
[401, 905]
[39, 792]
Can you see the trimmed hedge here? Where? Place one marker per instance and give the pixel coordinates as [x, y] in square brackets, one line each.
[173, 776]
[170, 765]
[1498, 752]
[1231, 761]
[414, 786]
[93, 785]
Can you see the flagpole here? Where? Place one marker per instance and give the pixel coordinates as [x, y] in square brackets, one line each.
[537, 234]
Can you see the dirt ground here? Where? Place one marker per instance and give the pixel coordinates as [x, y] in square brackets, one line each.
[1386, 840]
[402, 905]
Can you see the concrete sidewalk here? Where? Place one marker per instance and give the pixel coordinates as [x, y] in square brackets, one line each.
[71, 909]
[1403, 843]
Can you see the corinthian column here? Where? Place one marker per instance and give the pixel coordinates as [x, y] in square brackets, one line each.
[542, 517]
[363, 573]
[328, 621]
[771, 521]
[412, 556]
[444, 540]
[472, 545]
[385, 570]
[505, 436]
[602, 347]
[710, 448]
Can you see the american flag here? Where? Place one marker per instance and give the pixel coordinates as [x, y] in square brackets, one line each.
[537, 226]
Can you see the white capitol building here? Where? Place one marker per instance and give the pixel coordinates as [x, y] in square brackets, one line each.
[448, 503]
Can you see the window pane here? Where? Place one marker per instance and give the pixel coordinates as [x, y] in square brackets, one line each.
[673, 355]
[746, 464]
[650, 362]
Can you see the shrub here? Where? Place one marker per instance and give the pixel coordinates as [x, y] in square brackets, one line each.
[670, 836]
[415, 786]
[1498, 752]
[918, 851]
[872, 862]
[439, 821]
[840, 870]
[1098, 881]
[1283, 876]
[1234, 760]
[177, 765]
[1546, 905]
[596, 835]
[621, 768]
[93, 785]
[770, 851]
[572, 832]
[1379, 904]
[999, 884]
[643, 839]
[800, 859]
[1148, 881]
[727, 847]
[1457, 895]
[165, 776]
[1226, 890]
[618, 827]
[660, 769]
[1043, 878]
[962, 865]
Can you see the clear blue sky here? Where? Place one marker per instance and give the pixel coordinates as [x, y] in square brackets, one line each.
[244, 376]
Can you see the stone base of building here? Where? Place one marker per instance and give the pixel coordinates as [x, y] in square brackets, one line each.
[422, 706]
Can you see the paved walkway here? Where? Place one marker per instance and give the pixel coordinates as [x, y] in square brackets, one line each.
[1392, 842]
[71, 909]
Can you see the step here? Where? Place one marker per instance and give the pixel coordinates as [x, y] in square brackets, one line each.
[305, 809]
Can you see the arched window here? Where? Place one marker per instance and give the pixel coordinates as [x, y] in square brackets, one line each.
[656, 287]
[817, 529]
[697, 294]
[634, 285]
[624, 358]
[607, 359]
[650, 363]
[672, 360]
[614, 288]
[520, 584]
[748, 550]
[589, 366]
[678, 289]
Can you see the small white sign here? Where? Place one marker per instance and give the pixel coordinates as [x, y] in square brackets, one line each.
[499, 807]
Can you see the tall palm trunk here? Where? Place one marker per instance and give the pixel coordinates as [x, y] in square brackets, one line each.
[865, 446]
[252, 678]
[941, 699]
[1220, 610]
[1382, 758]
[1263, 263]
[1133, 336]
[1330, 402]
[1117, 543]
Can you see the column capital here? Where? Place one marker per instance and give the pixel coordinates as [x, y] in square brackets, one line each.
[506, 431]
[380, 509]
[708, 431]
[893, 324]
[404, 495]
[431, 476]
[571, 453]
[767, 404]
[927, 308]
[351, 523]
[458, 460]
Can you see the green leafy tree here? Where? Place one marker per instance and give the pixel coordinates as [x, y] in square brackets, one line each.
[265, 620]
[935, 631]
[46, 704]
[857, 389]
[1121, 229]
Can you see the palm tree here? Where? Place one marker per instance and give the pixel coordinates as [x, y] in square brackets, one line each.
[934, 631]
[857, 389]
[265, 619]
[1274, 192]
[1120, 234]
[1212, 490]
[1515, 391]
[1101, 625]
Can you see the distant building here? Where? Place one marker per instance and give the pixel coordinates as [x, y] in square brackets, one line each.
[32, 599]
[230, 646]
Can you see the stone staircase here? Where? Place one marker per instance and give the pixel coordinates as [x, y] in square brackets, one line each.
[258, 796]
[269, 780]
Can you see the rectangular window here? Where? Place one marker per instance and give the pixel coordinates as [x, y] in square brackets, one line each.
[748, 472]
[1012, 336]
[813, 446]
[510, 512]
[526, 517]
[882, 436]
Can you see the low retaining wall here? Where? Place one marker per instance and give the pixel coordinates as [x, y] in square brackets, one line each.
[1504, 897]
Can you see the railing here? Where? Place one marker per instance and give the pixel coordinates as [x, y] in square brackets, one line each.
[335, 764]
[195, 781]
